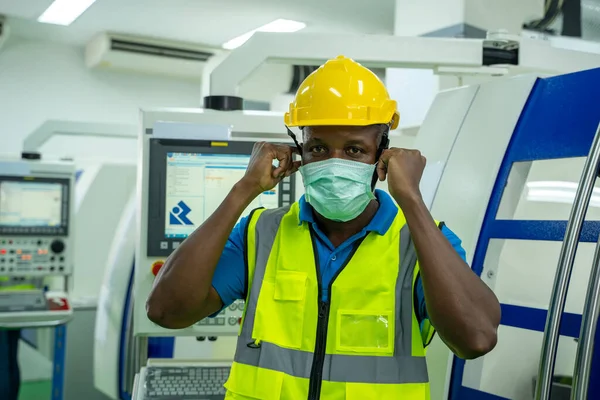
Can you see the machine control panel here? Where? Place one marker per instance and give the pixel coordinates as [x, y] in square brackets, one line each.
[33, 256]
[228, 320]
[35, 216]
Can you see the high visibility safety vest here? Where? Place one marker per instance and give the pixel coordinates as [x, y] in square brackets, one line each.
[363, 343]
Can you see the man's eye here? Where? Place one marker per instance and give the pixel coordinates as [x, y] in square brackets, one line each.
[318, 149]
[354, 150]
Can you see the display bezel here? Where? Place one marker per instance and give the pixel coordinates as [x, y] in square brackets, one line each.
[62, 230]
[157, 244]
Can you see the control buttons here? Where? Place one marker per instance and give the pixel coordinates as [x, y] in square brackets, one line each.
[232, 320]
[233, 307]
[57, 246]
[3, 251]
[61, 268]
[52, 268]
[220, 320]
[156, 266]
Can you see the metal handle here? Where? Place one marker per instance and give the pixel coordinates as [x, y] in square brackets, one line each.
[565, 266]
[585, 349]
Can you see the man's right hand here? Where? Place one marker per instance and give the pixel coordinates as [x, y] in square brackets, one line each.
[261, 175]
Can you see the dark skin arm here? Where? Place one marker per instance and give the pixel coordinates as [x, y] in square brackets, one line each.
[182, 293]
[463, 310]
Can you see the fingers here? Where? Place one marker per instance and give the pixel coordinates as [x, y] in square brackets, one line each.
[382, 164]
[285, 156]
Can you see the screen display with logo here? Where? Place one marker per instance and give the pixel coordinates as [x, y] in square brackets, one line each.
[35, 205]
[197, 183]
[188, 181]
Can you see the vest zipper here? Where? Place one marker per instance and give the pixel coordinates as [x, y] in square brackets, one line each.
[316, 372]
[316, 375]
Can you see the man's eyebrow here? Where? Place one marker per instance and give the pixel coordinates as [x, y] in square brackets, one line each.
[314, 140]
[354, 142]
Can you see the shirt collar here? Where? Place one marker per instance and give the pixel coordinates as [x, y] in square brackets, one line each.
[380, 223]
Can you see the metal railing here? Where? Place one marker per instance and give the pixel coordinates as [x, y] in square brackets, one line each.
[561, 284]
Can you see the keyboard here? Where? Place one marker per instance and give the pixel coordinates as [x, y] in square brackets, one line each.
[185, 383]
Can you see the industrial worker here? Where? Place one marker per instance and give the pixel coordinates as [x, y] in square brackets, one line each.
[344, 288]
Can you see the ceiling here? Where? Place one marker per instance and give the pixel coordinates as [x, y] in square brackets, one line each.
[210, 22]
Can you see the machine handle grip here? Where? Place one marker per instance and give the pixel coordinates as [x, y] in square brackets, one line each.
[564, 269]
[585, 347]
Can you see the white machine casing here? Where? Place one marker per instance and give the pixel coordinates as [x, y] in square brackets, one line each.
[244, 126]
[465, 127]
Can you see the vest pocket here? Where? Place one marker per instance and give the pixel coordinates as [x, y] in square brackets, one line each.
[365, 332]
[280, 310]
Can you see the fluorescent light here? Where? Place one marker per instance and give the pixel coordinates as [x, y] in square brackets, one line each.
[557, 192]
[64, 12]
[279, 25]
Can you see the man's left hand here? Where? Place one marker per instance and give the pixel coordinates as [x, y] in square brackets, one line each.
[403, 168]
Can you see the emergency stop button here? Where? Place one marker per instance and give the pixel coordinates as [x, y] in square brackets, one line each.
[156, 266]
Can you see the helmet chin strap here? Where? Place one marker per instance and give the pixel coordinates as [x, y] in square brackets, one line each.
[384, 145]
[293, 136]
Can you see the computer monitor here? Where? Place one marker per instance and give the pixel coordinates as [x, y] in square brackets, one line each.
[34, 206]
[188, 182]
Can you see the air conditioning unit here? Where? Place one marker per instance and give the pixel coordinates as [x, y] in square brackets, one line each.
[4, 30]
[148, 55]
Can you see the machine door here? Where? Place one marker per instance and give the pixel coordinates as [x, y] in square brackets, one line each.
[518, 249]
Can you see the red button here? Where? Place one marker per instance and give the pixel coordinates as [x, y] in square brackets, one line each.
[156, 266]
[2, 251]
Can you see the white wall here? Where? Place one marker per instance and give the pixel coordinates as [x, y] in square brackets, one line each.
[41, 80]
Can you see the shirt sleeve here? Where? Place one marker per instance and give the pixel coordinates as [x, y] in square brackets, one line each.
[229, 279]
[420, 294]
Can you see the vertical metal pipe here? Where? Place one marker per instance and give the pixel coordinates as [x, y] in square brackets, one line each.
[563, 271]
[585, 348]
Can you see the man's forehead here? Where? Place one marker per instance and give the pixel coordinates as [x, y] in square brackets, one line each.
[321, 132]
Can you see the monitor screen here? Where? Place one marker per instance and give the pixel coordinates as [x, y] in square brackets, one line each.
[197, 183]
[31, 204]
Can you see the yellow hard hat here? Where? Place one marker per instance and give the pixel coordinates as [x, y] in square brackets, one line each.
[342, 92]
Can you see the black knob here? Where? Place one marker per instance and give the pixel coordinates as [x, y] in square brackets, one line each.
[57, 246]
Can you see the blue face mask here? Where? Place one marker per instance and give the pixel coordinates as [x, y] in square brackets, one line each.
[339, 190]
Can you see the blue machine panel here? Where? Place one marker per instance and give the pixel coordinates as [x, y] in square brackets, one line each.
[558, 121]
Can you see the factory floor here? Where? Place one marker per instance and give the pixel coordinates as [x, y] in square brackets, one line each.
[36, 374]
[35, 390]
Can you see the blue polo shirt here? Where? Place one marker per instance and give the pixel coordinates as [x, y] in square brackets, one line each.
[229, 277]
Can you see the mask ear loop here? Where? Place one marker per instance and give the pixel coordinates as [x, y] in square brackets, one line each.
[384, 145]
